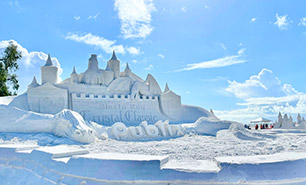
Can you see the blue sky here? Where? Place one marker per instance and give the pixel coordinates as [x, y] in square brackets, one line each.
[243, 59]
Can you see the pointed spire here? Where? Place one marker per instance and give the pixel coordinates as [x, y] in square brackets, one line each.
[49, 61]
[33, 83]
[74, 72]
[299, 118]
[166, 88]
[127, 68]
[114, 56]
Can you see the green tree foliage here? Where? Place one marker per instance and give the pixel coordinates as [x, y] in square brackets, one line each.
[8, 67]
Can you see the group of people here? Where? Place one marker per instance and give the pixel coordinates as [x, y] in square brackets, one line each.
[260, 126]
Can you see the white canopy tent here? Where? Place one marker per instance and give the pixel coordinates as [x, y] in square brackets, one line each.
[261, 120]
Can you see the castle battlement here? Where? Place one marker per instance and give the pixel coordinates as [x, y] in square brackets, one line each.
[115, 96]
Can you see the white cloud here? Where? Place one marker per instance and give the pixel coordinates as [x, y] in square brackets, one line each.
[29, 64]
[106, 45]
[206, 6]
[94, 17]
[184, 9]
[282, 21]
[77, 18]
[263, 95]
[135, 17]
[30, 59]
[241, 51]
[220, 62]
[133, 50]
[253, 19]
[223, 46]
[139, 61]
[149, 68]
[261, 85]
[161, 56]
[302, 21]
[16, 5]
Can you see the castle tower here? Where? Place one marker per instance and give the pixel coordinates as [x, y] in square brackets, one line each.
[114, 65]
[93, 63]
[49, 72]
[127, 71]
[74, 76]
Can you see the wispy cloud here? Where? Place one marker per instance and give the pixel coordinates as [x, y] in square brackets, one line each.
[302, 21]
[77, 18]
[135, 17]
[253, 19]
[241, 51]
[106, 45]
[149, 67]
[220, 62]
[161, 56]
[94, 17]
[282, 21]
[16, 5]
[223, 46]
[184, 9]
[139, 61]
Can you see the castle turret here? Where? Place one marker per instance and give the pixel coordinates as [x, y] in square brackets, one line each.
[93, 63]
[33, 84]
[166, 88]
[74, 76]
[49, 72]
[127, 71]
[114, 65]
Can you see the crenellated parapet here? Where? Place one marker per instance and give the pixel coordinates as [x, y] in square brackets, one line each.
[113, 97]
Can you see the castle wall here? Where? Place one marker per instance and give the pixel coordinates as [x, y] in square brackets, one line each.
[108, 110]
[47, 99]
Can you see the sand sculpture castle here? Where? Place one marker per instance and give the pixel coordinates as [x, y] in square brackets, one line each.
[105, 95]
